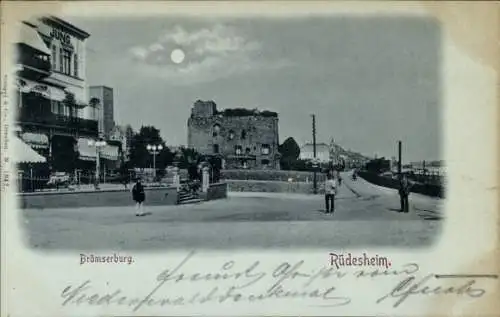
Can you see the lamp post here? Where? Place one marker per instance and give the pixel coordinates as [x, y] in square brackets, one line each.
[154, 150]
[315, 165]
[98, 145]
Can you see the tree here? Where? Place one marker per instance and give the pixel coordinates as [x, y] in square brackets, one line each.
[141, 157]
[129, 135]
[94, 102]
[290, 152]
[188, 156]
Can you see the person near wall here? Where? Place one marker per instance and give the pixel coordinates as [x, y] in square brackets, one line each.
[404, 192]
[139, 196]
[330, 192]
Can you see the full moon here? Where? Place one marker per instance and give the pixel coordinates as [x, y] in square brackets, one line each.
[177, 56]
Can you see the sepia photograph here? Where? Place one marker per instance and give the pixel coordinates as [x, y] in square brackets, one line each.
[165, 132]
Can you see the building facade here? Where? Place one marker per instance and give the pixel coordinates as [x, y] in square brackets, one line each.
[242, 138]
[52, 99]
[106, 119]
[119, 134]
[322, 152]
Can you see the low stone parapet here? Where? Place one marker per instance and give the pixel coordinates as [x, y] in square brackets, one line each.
[269, 186]
[155, 196]
[424, 189]
[217, 191]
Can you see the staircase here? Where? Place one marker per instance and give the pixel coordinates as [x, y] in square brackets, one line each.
[185, 196]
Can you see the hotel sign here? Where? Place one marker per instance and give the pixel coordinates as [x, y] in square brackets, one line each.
[61, 36]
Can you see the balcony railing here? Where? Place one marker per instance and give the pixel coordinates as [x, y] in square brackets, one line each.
[59, 121]
[242, 156]
[40, 63]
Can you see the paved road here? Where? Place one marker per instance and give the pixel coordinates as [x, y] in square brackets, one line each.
[365, 215]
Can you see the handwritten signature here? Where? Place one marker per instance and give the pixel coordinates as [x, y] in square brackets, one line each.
[411, 286]
[279, 286]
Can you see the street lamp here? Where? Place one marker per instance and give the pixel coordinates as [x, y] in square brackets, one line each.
[98, 145]
[154, 150]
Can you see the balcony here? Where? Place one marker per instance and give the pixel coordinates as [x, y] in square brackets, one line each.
[33, 64]
[50, 120]
[241, 156]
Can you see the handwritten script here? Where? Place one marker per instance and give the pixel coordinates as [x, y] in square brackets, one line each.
[292, 281]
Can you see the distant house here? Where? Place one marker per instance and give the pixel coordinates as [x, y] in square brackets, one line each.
[322, 152]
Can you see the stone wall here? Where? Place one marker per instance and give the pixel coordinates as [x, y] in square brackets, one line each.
[259, 131]
[266, 175]
[269, 186]
[81, 199]
[216, 191]
[424, 189]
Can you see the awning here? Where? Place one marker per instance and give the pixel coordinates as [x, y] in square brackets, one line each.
[29, 36]
[49, 92]
[86, 152]
[80, 103]
[24, 153]
[110, 152]
[36, 140]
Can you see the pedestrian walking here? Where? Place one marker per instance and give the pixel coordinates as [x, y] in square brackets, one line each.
[330, 192]
[338, 177]
[139, 196]
[404, 192]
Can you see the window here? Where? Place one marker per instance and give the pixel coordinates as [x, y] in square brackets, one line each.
[60, 108]
[75, 66]
[54, 57]
[237, 149]
[67, 111]
[66, 62]
[265, 163]
[216, 130]
[60, 60]
[231, 134]
[243, 135]
[247, 150]
[265, 149]
[54, 106]
[216, 148]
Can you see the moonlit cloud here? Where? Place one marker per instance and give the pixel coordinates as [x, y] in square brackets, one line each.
[211, 53]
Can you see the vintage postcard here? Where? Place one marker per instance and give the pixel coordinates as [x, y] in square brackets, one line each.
[250, 158]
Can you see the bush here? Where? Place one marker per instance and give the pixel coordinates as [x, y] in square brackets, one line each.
[242, 112]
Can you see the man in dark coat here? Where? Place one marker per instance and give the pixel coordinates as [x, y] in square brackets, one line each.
[139, 196]
[404, 192]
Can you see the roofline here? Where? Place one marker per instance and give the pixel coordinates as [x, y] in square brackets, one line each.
[30, 24]
[68, 25]
[317, 144]
[100, 86]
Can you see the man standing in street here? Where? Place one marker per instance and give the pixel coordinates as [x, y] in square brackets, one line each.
[338, 177]
[330, 191]
[404, 192]
[139, 196]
